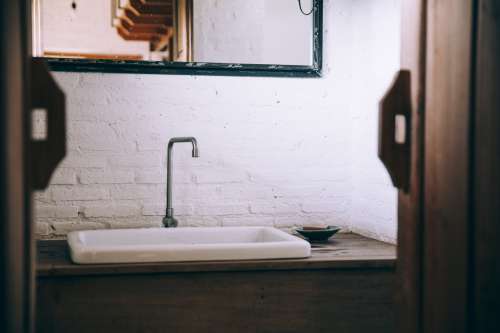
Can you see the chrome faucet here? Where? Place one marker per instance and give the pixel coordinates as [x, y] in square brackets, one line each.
[169, 221]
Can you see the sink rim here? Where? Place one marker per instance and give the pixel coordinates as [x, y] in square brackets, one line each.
[289, 247]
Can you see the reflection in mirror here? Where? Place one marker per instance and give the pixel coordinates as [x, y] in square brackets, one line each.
[214, 31]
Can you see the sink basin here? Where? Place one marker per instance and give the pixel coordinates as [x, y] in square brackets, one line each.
[184, 244]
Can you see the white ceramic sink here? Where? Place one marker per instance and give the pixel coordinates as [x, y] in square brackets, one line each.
[184, 244]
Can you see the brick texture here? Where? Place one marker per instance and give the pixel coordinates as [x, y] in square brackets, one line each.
[273, 151]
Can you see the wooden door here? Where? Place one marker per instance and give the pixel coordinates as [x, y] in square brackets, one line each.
[403, 158]
[15, 236]
[449, 217]
[448, 166]
[462, 167]
[25, 163]
[410, 226]
[485, 235]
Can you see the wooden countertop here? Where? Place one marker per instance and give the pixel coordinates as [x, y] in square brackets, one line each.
[343, 251]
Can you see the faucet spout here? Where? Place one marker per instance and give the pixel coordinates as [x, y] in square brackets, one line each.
[195, 152]
[169, 221]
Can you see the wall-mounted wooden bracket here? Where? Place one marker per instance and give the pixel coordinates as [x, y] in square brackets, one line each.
[47, 153]
[395, 130]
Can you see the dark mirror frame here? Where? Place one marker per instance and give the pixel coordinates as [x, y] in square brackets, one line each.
[203, 68]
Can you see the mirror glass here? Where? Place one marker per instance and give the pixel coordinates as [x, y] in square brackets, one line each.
[207, 31]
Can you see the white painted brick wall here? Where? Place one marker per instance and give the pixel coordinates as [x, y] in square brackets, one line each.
[83, 193]
[273, 151]
[260, 221]
[137, 191]
[101, 176]
[56, 211]
[64, 176]
[61, 24]
[111, 210]
[135, 159]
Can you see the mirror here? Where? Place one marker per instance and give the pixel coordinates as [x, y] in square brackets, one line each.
[227, 37]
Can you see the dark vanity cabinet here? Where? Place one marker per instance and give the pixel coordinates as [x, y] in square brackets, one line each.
[345, 286]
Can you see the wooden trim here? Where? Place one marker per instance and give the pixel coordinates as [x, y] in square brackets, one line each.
[302, 301]
[410, 204]
[189, 29]
[134, 18]
[16, 265]
[46, 154]
[396, 155]
[485, 288]
[447, 166]
[80, 55]
[150, 9]
[344, 251]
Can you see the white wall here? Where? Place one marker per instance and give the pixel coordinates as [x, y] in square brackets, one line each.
[375, 55]
[274, 151]
[242, 31]
[255, 32]
[86, 29]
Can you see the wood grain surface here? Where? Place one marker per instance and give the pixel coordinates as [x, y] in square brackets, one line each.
[342, 251]
[308, 295]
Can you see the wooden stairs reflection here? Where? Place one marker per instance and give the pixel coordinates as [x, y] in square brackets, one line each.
[147, 20]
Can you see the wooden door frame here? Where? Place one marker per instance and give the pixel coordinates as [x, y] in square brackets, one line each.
[448, 224]
[16, 251]
[485, 208]
[449, 234]
[479, 230]
[410, 204]
[448, 165]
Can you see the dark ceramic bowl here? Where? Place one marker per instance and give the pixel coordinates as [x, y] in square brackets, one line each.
[318, 235]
